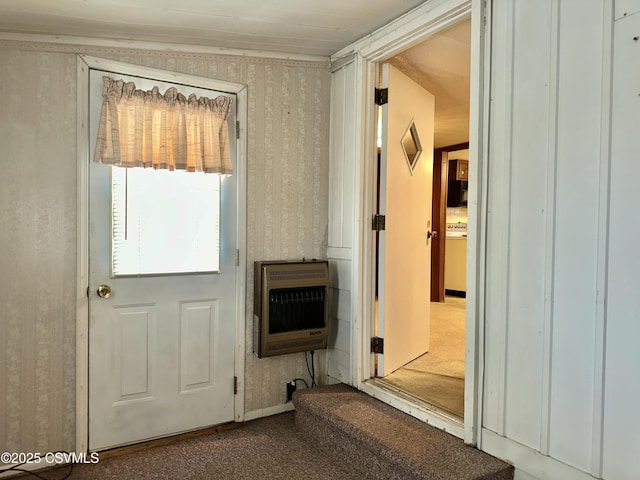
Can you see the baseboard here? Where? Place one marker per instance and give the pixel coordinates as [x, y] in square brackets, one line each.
[267, 412]
[455, 293]
[529, 463]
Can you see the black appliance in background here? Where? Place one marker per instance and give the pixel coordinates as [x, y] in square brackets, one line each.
[457, 183]
[457, 193]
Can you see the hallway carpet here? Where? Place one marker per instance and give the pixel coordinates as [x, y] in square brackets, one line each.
[437, 377]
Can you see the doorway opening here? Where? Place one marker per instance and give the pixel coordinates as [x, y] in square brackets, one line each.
[436, 379]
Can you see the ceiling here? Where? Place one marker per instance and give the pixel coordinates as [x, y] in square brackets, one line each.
[309, 27]
[442, 65]
[316, 27]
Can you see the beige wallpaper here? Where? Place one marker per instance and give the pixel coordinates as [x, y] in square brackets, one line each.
[287, 217]
[37, 251]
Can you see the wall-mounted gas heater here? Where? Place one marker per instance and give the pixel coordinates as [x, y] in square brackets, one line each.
[290, 306]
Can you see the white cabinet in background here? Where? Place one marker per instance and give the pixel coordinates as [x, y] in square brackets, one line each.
[455, 264]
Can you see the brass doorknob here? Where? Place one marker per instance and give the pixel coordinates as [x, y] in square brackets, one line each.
[104, 291]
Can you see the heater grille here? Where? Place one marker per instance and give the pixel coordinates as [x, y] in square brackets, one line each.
[296, 309]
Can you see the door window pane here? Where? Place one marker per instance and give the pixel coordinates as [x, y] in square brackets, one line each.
[164, 222]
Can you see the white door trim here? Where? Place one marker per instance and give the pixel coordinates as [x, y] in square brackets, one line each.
[401, 34]
[84, 64]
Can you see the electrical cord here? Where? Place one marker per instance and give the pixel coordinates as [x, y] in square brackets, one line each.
[301, 380]
[16, 468]
[312, 369]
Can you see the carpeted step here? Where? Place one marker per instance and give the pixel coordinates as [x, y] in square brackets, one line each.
[386, 444]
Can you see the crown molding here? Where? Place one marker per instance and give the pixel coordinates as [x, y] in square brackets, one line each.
[66, 42]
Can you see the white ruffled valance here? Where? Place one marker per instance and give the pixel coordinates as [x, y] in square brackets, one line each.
[163, 131]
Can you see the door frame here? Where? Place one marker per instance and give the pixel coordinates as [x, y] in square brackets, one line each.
[439, 217]
[390, 40]
[84, 64]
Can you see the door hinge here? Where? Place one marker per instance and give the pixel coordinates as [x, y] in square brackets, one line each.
[378, 222]
[377, 345]
[87, 291]
[235, 385]
[381, 96]
[237, 257]
[237, 130]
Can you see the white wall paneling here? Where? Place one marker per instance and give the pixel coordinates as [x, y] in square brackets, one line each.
[624, 8]
[548, 261]
[622, 355]
[342, 149]
[342, 216]
[530, 464]
[576, 223]
[527, 254]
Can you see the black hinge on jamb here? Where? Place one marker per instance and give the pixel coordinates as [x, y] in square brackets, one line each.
[378, 222]
[377, 345]
[382, 96]
[235, 385]
[237, 130]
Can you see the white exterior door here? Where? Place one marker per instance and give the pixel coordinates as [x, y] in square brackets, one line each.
[404, 260]
[161, 348]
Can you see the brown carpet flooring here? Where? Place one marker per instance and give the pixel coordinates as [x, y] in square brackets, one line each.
[437, 377]
[337, 433]
[267, 448]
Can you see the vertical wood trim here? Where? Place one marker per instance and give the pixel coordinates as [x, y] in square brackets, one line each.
[338, 140]
[439, 223]
[443, 161]
[473, 362]
[439, 217]
[348, 162]
[359, 227]
[242, 116]
[480, 82]
[506, 179]
[82, 257]
[364, 259]
[602, 275]
[550, 237]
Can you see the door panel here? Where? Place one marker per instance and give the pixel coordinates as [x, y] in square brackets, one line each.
[199, 329]
[161, 348]
[405, 199]
[134, 351]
